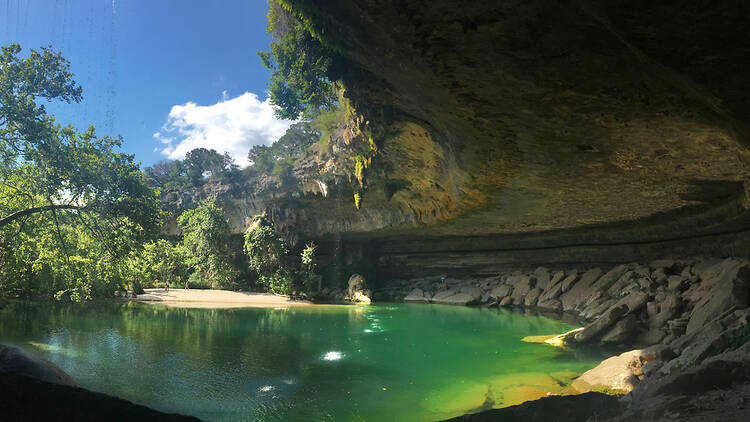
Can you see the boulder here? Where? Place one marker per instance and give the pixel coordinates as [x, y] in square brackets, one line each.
[532, 297]
[622, 331]
[507, 301]
[501, 291]
[14, 360]
[521, 287]
[581, 291]
[634, 301]
[676, 282]
[603, 322]
[551, 304]
[568, 282]
[473, 291]
[552, 293]
[610, 277]
[618, 373]
[416, 296]
[729, 291]
[452, 297]
[542, 277]
[557, 277]
[357, 290]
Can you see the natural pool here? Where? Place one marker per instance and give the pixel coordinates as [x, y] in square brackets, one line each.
[385, 362]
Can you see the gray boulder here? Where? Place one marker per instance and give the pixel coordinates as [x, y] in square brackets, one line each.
[416, 296]
[729, 291]
[501, 291]
[542, 277]
[581, 291]
[603, 322]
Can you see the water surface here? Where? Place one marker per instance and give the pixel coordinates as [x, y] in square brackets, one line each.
[384, 362]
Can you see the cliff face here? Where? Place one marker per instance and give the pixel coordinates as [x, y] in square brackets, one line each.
[571, 127]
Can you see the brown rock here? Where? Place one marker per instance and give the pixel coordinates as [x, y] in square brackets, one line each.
[532, 297]
[507, 301]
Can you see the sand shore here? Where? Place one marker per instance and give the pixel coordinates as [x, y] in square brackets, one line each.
[216, 299]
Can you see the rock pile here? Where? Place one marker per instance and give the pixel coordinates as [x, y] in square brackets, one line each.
[632, 304]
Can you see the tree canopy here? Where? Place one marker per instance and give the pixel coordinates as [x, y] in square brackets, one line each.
[71, 206]
[51, 168]
[299, 65]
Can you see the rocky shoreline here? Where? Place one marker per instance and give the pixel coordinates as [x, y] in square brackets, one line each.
[681, 322]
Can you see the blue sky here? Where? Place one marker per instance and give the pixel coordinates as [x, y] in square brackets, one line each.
[168, 75]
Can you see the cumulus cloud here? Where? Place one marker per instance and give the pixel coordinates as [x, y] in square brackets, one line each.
[232, 125]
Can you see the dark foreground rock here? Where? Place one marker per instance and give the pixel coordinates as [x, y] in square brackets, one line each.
[33, 389]
[28, 399]
[551, 409]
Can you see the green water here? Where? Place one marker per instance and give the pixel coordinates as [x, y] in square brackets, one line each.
[386, 362]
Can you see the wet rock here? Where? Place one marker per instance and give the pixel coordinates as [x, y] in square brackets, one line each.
[532, 297]
[506, 301]
[14, 360]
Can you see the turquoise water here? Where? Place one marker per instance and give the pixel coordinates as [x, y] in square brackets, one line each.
[385, 362]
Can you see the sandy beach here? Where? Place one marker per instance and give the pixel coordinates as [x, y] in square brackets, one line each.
[216, 299]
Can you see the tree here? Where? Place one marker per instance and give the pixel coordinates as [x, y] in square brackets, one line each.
[308, 269]
[205, 231]
[299, 65]
[55, 169]
[266, 249]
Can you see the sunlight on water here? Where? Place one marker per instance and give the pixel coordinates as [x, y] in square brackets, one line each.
[392, 362]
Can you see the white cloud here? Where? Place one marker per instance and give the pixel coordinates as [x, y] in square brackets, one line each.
[232, 125]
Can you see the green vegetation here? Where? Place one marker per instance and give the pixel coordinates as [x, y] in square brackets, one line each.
[71, 207]
[200, 165]
[205, 231]
[266, 250]
[308, 269]
[299, 64]
[279, 158]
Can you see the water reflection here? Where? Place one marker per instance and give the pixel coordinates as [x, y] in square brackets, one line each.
[393, 362]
